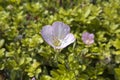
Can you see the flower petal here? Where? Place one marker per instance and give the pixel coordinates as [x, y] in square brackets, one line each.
[47, 34]
[85, 36]
[67, 40]
[60, 30]
[91, 36]
[88, 38]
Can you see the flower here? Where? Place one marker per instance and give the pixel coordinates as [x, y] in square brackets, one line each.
[33, 78]
[88, 38]
[58, 35]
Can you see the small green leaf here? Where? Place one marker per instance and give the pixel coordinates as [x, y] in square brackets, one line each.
[117, 73]
[87, 13]
[116, 44]
[117, 58]
[70, 57]
[2, 42]
[117, 52]
[2, 66]
[10, 54]
[46, 77]
[2, 52]
[22, 60]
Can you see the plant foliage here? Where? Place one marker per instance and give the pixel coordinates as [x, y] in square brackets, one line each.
[24, 54]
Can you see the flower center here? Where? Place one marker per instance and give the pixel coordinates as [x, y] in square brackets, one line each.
[88, 41]
[56, 42]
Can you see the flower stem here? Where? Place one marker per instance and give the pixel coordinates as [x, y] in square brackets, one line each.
[56, 57]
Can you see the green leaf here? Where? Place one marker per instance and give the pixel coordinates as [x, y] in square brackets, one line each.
[33, 69]
[70, 57]
[22, 60]
[45, 77]
[2, 52]
[116, 44]
[84, 77]
[117, 58]
[2, 66]
[2, 41]
[117, 52]
[10, 54]
[117, 73]
[87, 13]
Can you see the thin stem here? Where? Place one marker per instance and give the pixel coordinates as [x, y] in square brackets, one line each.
[21, 76]
[56, 57]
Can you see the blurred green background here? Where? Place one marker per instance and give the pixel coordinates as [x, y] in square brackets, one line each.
[24, 54]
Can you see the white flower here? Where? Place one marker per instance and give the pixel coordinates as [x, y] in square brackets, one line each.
[58, 35]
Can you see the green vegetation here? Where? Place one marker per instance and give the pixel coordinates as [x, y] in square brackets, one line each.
[24, 54]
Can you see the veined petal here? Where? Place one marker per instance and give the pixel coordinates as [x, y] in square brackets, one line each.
[47, 34]
[67, 40]
[60, 30]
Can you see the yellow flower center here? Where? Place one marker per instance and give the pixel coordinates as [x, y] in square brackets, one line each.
[56, 42]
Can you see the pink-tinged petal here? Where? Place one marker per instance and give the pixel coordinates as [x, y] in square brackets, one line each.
[47, 34]
[91, 36]
[91, 41]
[67, 41]
[85, 36]
[88, 38]
[33, 78]
[60, 30]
